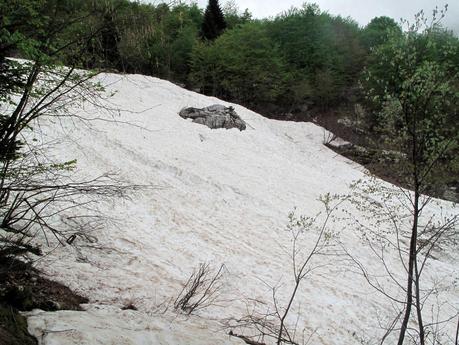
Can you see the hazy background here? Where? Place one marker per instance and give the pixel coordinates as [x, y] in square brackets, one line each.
[360, 10]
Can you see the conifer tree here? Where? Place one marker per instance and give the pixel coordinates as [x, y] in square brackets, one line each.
[214, 21]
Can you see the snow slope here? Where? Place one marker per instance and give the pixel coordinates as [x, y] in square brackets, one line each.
[221, 196]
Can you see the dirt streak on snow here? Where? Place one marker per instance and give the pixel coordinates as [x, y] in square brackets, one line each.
[222, 196]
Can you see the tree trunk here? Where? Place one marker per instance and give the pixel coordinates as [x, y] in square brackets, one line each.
[418, 305]
[290, 302]
[414, 238]
[409, 289]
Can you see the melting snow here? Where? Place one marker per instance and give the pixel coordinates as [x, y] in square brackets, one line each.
[221, 196]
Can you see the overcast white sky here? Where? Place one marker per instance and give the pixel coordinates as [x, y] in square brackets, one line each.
[360, 10]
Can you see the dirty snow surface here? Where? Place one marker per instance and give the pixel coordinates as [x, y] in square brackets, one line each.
[220, 197]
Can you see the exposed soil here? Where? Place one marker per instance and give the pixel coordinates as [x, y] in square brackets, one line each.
[23, 289]
[363, 152]
[13, 328]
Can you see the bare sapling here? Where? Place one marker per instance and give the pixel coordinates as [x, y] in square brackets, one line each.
[312, 245]
[202, 289]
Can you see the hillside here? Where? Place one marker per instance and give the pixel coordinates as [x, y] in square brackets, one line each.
[217, 196]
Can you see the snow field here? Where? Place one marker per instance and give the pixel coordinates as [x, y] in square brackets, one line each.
[218, 196]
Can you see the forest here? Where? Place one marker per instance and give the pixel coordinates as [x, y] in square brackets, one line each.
[315, 60]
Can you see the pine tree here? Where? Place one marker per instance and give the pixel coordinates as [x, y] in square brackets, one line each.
[214, 21]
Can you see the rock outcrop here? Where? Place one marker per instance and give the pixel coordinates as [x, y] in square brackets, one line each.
[214, 116]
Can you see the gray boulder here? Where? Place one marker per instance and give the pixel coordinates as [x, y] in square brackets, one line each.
[214, 116]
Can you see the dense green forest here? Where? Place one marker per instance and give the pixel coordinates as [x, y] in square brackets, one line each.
[302, 59]
[303, 64]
